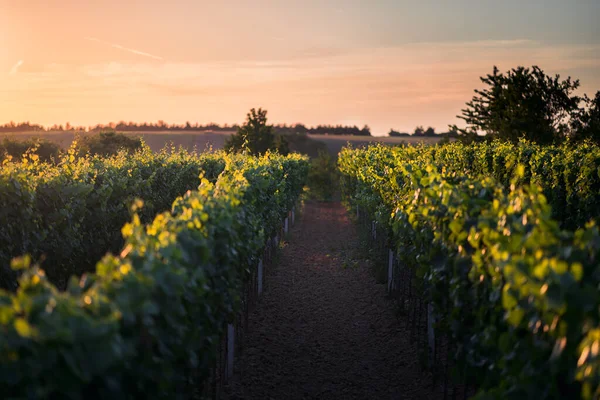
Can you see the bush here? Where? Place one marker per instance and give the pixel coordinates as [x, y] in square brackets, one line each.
[393, 133]
[46, 150]
[323, 177]
[109, 143]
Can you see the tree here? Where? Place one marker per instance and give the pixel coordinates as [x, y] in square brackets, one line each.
[365, 131]
[419, 131]
[256, 137]
[429, 132]
[587, 123]
[108, 143]
[523, 103]
[393, 133]
[452, 132]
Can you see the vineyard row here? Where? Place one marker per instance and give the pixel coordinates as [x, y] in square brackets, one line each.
[149, 323]
[475, 235]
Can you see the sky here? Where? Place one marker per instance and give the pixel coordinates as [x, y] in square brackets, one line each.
[388, 64]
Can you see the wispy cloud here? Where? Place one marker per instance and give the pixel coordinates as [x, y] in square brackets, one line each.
[499, 43]
[400, 87]
[15, 68]
[118, 46]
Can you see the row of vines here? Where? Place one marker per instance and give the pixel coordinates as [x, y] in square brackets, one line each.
[482, 235]
[71, 213]
[149, 322]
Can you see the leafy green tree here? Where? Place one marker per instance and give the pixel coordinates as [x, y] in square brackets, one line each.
[257, 137]
[522, 103]
[587, 123]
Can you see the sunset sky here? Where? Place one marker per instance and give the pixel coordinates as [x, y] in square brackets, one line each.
[389, 64]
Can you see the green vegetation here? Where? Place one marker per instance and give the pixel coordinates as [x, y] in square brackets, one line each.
[256, 137]
[108, 143]
[46, 150]
[586, 125]
[525, 103]
[323, 177]
[567, 174]
[301, 143]
[69, 215]
[516, 294]
[147, 324]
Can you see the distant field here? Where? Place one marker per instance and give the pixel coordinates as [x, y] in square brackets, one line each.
[156, 140]
[335, 143]
[203, 140]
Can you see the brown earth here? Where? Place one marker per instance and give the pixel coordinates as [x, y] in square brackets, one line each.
[324, 329]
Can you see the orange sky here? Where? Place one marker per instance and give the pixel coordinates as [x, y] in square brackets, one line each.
[388, 64]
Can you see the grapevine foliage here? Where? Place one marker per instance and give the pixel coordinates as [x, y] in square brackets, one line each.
[69, 215]
[479, 226]
[148, 323]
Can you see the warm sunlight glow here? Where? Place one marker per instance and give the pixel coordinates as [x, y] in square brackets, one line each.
[388, 65]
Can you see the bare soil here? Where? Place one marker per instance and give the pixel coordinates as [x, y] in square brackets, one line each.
[324, 329]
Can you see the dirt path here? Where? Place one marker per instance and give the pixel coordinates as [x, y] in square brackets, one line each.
[323, 329]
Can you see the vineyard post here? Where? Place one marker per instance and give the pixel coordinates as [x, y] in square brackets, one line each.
[357, 213]
[396, 266]
[260, 276]
[293, 215]
[430, 333]
[373, 230]
[230, 350]
[286, 225]
[390, 269]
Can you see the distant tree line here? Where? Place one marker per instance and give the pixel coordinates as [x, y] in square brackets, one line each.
[429, 132]
[21, 127]
[324, 130]
[163, 126]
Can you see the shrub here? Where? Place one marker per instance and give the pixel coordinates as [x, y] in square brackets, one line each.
[46, 150]
[109, 143]
[323, 177]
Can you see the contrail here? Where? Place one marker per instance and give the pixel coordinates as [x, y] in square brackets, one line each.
[118, 46]
[15, 68]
